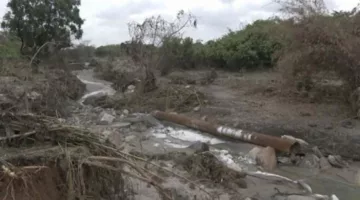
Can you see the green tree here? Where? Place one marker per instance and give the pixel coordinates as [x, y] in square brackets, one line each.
[36, 22]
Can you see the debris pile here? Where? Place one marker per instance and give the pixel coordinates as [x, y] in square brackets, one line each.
[49, 94]
[42, 159]
[165, 98]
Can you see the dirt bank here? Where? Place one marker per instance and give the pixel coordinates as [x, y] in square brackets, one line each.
[49, 92]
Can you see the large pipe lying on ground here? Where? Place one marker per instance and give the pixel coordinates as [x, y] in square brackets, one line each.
[281, 144]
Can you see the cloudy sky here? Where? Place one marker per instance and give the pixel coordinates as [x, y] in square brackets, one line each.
[106, 20]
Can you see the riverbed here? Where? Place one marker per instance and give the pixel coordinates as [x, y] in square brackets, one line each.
[340, 182]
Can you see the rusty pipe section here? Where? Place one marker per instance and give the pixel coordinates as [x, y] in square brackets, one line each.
[281, 144]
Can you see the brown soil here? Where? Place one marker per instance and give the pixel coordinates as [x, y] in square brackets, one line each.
[38, 184]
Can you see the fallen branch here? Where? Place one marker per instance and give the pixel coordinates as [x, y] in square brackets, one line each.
[18, 135]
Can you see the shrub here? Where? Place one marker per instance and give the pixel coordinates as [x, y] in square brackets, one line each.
[251, 47]
[319, 41]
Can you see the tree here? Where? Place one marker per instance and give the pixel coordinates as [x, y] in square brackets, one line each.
[36, 22]
[148, 36]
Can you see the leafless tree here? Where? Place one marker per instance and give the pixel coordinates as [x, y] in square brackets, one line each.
[148, 36]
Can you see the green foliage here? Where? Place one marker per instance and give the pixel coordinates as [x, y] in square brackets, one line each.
[109, 50]
[9, 46]
[177, 53]
[36, 22]
[251, 47]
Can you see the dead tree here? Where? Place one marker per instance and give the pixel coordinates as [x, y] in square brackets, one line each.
[148, 36]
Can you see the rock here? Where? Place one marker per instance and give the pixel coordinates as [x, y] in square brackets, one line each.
[106, 134]
[131, 87]
[284, 160]
[266, 158]
[310, 161]
[337, 161]
[254, 152]
[105, 119]
[199, 147]
[126, 112]
[324, 164]
[196, 109]
[347, 124]
[317, 152]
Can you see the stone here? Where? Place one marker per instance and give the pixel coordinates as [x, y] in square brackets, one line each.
[266, 158]
[347, 124]
[131, 87]
[126, 112]
[106, 134]
[196, 109]
[254, 152]
[199, 147]
[105, 119]
[336, 161]
[310, 161]
[324, 163]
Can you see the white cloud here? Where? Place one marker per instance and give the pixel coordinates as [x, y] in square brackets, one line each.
[106, 20]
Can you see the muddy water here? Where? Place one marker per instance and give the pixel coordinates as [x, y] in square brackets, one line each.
[339, 182]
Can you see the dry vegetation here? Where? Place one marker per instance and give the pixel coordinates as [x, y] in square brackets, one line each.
[311, 46]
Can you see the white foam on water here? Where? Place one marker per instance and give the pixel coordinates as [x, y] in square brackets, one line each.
[90, 82]
[185, 135]
[106, 90]
[225, 157]
[160, 135]
[178, 146]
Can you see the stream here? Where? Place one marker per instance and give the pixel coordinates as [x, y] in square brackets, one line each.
[334, 181]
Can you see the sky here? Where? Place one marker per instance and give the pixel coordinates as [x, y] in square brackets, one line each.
[106, 20]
